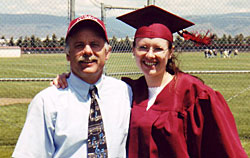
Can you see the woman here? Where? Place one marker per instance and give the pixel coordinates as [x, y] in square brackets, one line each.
[173, 114]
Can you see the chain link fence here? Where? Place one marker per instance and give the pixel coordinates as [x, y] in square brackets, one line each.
[32, 52]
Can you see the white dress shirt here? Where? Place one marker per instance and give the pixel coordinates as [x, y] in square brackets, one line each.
[57, 120]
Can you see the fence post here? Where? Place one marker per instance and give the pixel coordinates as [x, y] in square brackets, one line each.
[150, 2]
[72, 10]
[103, 13]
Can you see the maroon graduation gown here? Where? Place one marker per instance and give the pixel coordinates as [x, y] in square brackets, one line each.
[187, 119]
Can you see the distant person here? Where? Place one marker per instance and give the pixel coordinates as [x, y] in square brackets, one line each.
[90, 118]
[236, 52]
[214, 52]
[221, 53]
[226, 54]
[229, 53]
[173, 114]
[210, 52]
[206, 53]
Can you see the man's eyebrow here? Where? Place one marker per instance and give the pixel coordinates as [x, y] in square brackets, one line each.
[78, 42]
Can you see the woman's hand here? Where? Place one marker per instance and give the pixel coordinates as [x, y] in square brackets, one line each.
[60, 81]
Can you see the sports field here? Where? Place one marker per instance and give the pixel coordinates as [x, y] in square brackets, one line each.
[16, 95]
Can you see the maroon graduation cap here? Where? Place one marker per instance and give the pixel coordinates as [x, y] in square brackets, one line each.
[154, 22]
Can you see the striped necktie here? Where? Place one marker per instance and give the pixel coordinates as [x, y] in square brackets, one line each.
[97, 147]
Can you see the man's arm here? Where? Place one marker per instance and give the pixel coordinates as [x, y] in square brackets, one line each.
[35, 139]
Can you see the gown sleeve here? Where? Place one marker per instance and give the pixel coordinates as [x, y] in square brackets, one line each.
[211, 128]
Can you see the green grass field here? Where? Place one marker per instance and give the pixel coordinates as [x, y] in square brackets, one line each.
[234, 87]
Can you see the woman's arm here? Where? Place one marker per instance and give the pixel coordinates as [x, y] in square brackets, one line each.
[61, 80]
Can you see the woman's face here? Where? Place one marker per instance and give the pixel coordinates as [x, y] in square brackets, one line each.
[152, 55]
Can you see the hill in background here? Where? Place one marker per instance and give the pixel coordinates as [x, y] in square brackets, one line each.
[17, 25]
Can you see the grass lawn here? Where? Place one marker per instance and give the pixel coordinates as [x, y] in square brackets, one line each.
[234, 87]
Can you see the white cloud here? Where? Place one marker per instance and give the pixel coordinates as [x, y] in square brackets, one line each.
[180, 7]
[93, 6]
[57, 7]
[198, 7]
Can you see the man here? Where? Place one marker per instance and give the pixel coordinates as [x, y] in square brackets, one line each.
[58, 120]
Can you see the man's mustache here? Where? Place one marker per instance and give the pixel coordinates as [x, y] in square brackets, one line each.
[87, 58]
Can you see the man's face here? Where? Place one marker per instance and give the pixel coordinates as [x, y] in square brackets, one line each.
[87, 54]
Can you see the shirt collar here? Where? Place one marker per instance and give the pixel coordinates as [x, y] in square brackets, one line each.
[81, 87]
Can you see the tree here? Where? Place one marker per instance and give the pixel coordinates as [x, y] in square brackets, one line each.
[54, 42]
[223, 39]
[33, 42]
[229, 39]
[26, 42]
[239, 39]
[11, 42]
[123, 45]
[46, 42]
[215, 39]
[38, 42]
[61, 42]
[19, 41]
[127, 44]
[3, 37]
[248, 40]
[178, 41]
[113, 42]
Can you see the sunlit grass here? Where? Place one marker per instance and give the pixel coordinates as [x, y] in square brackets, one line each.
[234, 87]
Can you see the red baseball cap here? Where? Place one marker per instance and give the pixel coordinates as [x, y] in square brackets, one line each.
[154, 22]
[85, 18]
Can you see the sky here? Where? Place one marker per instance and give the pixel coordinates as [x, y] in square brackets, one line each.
[179, 7]
[184, 8]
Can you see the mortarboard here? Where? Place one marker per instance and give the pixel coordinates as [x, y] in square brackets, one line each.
[154, 22]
